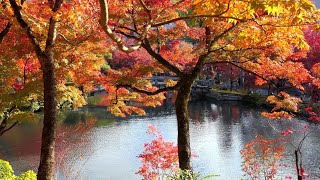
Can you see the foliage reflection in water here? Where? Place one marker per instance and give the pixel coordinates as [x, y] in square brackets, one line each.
[109, 149]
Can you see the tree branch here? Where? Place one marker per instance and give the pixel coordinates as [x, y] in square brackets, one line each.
[198, 16]
[27, 29]
[215, 39]
[127, 35]
[209, 43]
[5, 31]
[104, 19]
[164, 9]
[146, 9]
[5, 130]
[160, 59]
[150, 92]
[247, 70]
[192, 17]
[74, 43]
[57, 5]
[4, 122]
[52, 34]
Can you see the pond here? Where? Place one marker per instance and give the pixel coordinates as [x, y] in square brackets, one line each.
[107, 147]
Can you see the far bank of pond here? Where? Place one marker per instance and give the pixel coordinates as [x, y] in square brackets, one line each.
[109, 147]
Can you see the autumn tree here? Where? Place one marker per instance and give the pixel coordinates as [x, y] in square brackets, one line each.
[311, 61]
[45, 44]
[241, 33]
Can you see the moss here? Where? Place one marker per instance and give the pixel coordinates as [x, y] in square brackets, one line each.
[241, 93]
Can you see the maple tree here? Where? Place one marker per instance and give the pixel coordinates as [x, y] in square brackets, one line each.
[289, 135]
[50, 42]
[311, 61]
[229, 72]
[246, 34]
[159, 157]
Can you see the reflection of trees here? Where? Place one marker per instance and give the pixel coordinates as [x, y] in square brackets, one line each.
[230, 114]
[75, 117]
[22, 140]
[72, 146]
[262, 157]
[253, 124]
[198, 111]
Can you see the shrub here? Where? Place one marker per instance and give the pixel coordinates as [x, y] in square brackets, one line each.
[6, 172]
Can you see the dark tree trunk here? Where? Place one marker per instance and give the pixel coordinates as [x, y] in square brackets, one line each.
[46, 169]
[297, 165]
[181, 105]
[46, 166]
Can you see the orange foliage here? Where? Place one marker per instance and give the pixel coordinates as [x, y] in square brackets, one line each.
[283, 101]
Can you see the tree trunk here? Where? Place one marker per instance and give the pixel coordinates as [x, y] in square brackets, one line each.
[46, 166]
[181, 105]
[46, 169]
[299, 174]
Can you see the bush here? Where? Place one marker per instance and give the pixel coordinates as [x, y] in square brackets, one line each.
[189, 175]
[6, 172]
[255, 99]
[29, 175]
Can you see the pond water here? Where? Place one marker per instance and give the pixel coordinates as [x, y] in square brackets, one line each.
[106, 147]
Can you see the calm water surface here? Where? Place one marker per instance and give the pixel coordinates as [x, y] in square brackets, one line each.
[107, 147]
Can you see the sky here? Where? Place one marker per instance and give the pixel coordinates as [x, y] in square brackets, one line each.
[317, 3]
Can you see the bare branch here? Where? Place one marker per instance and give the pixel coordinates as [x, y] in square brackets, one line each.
[5, 130]
[104, 19]
[4, 122]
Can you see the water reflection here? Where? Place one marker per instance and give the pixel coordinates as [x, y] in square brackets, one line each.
[218, 133]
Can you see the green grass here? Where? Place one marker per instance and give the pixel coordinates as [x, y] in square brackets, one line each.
[241, 93]
[94, 100]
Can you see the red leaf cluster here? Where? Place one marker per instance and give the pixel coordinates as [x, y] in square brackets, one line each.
[159, 156]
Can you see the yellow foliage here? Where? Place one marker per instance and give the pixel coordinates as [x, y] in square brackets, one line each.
[70, 94]
[284, 101]
[277, 115]
[170, 82]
